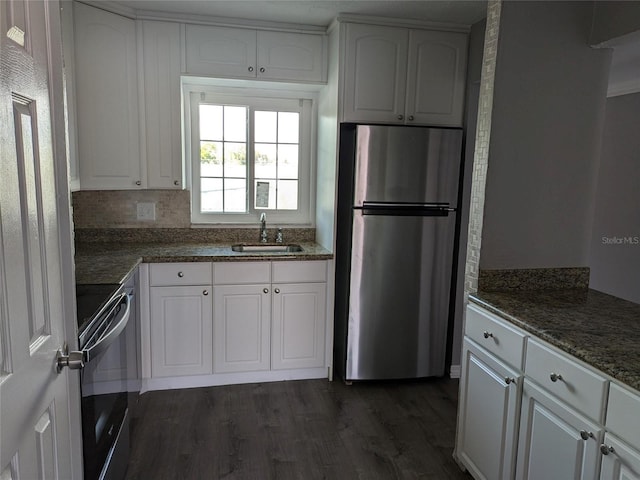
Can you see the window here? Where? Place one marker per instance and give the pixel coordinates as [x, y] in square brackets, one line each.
[250, 154]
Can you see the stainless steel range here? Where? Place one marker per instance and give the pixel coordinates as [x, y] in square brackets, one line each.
[104, 312]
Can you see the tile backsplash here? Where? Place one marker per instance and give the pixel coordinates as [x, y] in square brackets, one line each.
[118, 208]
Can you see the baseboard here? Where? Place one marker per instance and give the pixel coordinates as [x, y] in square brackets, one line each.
[454, 371]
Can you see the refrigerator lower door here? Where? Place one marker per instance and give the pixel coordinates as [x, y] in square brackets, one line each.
[400, 287]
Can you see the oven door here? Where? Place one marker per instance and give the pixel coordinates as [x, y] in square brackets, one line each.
[104, 386]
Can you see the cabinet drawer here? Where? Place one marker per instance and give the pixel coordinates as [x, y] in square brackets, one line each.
[293, 272]
[579, 386]
[167, 274]
[495, 335]
[238, 273]
[623, 414]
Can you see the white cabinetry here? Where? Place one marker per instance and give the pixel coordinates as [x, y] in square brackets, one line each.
[621, 447]
[107, 99]
[161, 79]
[248, 53]
[555, 440]
[404, 76]
[489, 396]
[181, 319]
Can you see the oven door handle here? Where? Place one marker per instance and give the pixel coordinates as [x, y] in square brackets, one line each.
[109, 335]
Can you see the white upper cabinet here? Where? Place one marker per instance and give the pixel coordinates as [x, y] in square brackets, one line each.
[161, 70]
[248, 53]
[107, 99]
[404, 76]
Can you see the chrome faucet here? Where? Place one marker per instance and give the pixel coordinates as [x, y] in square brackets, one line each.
[263, 227]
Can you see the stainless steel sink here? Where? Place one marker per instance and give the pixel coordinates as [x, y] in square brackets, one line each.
[266, 247]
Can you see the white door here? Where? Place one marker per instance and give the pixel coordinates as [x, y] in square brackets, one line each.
[35, 251]
[241, 329]
[298, 325]
[619, 461]
[555, 441]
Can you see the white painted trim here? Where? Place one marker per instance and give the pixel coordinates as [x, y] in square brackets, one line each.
[455, 371]
[398, 22]
[219, 379]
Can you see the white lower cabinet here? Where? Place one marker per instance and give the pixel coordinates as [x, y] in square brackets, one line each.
[488, 414]
[242, 328]
[619, 460]
[180, 330]
[298, 321]
[573, 422]
[217, 323]
[555, 441]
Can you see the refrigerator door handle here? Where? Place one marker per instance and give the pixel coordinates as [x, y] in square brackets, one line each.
[405, 209]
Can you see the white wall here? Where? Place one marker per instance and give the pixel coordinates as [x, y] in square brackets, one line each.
[549, 98]
[615, 247]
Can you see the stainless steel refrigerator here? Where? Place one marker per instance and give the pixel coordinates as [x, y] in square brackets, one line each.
[397, 234]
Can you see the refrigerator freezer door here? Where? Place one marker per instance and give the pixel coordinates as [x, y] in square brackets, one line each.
[410, 164]
[399, 296]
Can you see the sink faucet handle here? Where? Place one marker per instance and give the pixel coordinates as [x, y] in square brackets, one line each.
[279, 238]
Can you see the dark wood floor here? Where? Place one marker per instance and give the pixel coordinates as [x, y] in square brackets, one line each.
[311, 429]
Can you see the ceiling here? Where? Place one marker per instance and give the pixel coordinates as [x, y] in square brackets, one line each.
[319, 12]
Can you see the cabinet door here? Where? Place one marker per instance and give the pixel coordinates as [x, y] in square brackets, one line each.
[488, 415]
[299, 317]
[107, 99]
[295, 57]
[161, 61]
[241, 328]
[555, 441]
[375, 74]
[221, 51]
[181, 319]
[436, 77]
[620, 462]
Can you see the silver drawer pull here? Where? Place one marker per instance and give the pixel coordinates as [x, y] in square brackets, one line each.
[487, 334]
[180, 274]
[265, 290]
[555, 377]
[606, 449]
[585, 435]
[509, 380]
[277, 290]
[205, 292]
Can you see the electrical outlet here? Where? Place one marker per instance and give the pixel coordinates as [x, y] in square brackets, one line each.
[146, 210]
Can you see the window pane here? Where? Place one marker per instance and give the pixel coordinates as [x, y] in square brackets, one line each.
[265, 160]
[211, 122]
[287, 194]
[235, 195]
[211, 195]
[211, 159]
[235, 160]
[265, 126]
[288, 125]
[235, 124]
[288, 161]
[265, 194]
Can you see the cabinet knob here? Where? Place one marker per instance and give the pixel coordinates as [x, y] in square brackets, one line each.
[261, 69]
[138, 182]
[411, 117]
[265, 290]
[509, 380]
[277, 290]
[250, 69]
[606, 449]
[487, 334]
[180, 274]
[584, 435]
[555, 377]
[400, 117]
[205, 292]
[176, 182]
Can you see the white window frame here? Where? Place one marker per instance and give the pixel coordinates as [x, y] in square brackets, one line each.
[194, 93]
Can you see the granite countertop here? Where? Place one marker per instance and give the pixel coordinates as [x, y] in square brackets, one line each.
[98, 263]
[599, 329]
